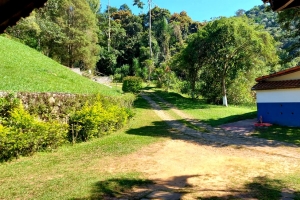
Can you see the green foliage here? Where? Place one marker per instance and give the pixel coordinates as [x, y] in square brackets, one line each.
[95, 120]
[23, 134]
[7, 104]
[132, 84]
[43, 124]
[237, 46]
[121, 72]
[65, 30]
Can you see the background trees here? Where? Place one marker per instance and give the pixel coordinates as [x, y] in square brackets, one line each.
[65, 30]
[212, 59]
[223, 50]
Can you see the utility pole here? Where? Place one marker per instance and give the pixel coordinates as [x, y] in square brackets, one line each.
[150, 41]
[108, 42]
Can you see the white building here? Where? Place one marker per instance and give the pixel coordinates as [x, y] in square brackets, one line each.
[278, 97]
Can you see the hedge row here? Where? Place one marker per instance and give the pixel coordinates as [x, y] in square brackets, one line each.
[38, 122]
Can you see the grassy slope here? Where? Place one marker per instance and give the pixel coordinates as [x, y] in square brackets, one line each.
[24, 69]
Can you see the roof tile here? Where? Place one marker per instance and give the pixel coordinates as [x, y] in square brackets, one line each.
[272, 85]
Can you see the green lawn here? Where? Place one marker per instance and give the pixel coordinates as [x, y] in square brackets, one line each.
[76, 172]
[25, 69]
[213, 115]
[279, 133]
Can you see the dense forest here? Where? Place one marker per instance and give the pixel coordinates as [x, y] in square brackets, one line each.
[217, 60]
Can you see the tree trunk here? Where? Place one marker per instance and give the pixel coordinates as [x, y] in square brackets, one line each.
[224, 92]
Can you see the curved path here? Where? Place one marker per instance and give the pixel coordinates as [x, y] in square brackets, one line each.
[258, 157]
[219, 136]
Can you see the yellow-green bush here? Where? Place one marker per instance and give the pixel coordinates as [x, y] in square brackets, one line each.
[97, 119]
[23, 134]
[42, 124]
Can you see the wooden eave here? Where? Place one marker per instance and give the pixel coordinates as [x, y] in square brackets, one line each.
[12, 10]
[279, 5]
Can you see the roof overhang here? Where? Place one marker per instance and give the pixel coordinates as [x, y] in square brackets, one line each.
[12, 10]
[278, 5]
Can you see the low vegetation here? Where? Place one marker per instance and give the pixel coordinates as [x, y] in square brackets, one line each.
[80, 171]
[132, 84]
[79, 118]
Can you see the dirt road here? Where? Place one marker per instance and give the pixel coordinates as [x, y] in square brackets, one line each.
[195, 165]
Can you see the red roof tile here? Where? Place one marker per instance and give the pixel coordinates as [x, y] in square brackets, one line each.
[280, 73]
[272, 85]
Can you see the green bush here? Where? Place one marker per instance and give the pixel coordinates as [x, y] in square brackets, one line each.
[23, 134]
[132, 84]
[95, 120]
[43, 122]
[7, 103]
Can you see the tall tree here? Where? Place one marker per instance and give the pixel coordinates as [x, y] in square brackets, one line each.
[236, 44]
[65, 30]
[192, 58]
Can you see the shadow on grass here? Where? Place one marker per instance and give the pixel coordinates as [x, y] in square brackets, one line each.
[229, 119]
[279, 133]
[158, 129]
[183, 102]
[116, 187]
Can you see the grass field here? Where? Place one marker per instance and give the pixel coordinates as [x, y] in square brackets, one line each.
[24, 69]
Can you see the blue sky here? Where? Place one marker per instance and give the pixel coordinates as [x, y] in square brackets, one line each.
[198, 10]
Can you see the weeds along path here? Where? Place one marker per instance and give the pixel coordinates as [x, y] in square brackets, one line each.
[216, 136]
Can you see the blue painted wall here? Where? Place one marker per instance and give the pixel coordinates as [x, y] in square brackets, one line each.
[286, 114]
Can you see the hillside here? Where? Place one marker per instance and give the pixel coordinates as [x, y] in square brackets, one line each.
[25, 69]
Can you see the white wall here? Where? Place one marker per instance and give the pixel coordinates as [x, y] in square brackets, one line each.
[278, 96]
[292, 76]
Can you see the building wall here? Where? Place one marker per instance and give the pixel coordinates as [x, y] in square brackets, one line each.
[292, 76]
[280, 107]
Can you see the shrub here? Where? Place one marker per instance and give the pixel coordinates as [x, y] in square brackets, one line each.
[8, 103]
[95, 120]
[132, 84]
[43, 122]
[24, 135]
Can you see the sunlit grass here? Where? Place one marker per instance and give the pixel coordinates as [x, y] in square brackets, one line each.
[25, 69]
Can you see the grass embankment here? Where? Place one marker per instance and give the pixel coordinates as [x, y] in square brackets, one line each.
[25, 69]
[80, 171]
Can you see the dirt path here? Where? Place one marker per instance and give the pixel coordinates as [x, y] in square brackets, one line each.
[195, 165]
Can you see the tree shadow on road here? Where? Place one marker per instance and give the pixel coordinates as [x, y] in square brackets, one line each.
[178, 186]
